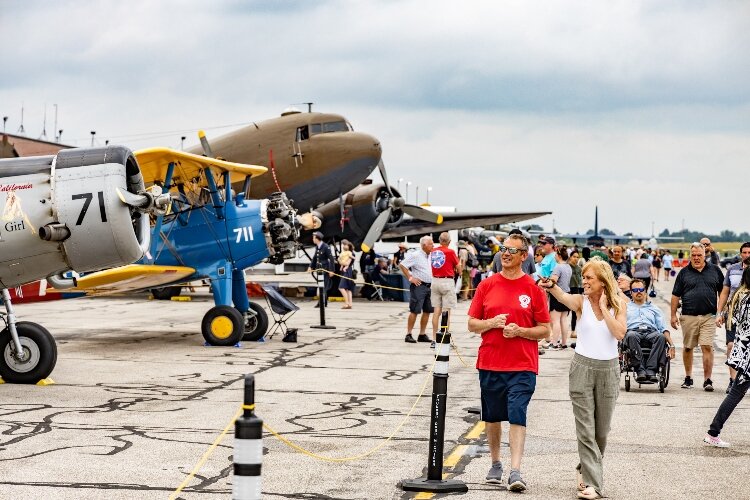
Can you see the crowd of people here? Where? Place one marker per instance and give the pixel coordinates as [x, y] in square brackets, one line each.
[530, 298]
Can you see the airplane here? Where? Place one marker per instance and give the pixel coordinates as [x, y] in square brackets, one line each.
[322, 165]
[80, 210]
[211, 232]
[597, 240]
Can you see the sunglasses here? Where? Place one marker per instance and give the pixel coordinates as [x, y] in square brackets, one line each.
[510, 250]
[637, 290]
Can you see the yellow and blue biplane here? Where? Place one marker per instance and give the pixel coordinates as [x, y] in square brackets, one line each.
[209, 233]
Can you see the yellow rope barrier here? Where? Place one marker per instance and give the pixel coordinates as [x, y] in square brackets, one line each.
[205, 456]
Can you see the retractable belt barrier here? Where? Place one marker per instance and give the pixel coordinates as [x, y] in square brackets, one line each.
[331, 273]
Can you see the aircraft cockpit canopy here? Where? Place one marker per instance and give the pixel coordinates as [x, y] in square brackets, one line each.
[306, 131]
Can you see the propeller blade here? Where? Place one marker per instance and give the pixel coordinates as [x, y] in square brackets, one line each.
[133, 200]
[381, 167]
[376, 230]
[423, 214]
[204, 143]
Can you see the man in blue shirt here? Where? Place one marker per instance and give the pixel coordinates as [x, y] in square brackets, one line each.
[549, 262]
[645, 322]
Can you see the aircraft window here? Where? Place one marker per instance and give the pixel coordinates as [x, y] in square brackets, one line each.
[323, 128]
[302, 133]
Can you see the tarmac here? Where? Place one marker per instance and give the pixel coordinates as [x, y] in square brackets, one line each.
[138, 401]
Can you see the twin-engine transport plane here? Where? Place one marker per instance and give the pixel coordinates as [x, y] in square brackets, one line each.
[321, 163]
[209, 233]
[81, 210]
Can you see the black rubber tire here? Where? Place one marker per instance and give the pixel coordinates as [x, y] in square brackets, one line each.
[667, 369]
[166, 293]
[627, 385]
[257, 326]
[213, 321]
[30, 334]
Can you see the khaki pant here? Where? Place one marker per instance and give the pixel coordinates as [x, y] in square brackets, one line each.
[443, 293]
[698, 330]
[594, 387]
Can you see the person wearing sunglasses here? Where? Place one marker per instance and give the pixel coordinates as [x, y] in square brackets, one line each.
[511, 314]
[646, 323]
[712, 255]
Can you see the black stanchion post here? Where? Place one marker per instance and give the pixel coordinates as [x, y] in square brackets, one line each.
[322, 303]
[248, 448]
[434, 481]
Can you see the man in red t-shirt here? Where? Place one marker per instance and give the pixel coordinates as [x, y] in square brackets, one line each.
[511, 314]
[445, 266]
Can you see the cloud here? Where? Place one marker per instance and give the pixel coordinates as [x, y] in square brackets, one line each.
[560, 95]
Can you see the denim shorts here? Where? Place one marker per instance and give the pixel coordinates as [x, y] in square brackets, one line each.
[506, 395]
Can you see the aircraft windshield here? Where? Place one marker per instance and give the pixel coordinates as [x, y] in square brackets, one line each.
[324, 128]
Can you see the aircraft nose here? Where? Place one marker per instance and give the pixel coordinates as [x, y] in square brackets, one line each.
[367, 144]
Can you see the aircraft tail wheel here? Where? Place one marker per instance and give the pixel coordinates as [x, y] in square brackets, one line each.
[257, 325]
[37, 360]
[222, 326]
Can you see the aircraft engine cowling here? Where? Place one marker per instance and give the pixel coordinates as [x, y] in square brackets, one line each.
[63, 213]
[363, 205]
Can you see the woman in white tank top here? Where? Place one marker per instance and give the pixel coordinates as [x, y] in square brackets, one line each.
[594, 376]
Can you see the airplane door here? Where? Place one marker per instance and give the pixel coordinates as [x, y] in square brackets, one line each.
[300, 141]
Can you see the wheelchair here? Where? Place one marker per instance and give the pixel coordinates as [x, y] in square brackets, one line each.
[627, 368]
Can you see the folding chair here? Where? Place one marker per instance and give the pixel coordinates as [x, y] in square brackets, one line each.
[378, 281]
[281, 310]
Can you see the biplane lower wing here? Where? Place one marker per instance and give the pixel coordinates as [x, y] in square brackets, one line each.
[131, 278]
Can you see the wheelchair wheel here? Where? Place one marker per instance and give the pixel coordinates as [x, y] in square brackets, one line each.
[627, 384]
[666, 371]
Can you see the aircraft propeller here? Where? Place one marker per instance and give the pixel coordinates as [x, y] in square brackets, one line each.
[395, 203]
[152, 199]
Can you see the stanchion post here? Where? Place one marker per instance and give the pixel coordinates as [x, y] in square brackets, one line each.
[248, 448]
[322, 303]
[434, 481]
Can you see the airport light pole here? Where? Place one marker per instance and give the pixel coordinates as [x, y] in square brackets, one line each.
[93, 133]
[398, 185]
[417, 196]
[408, 183]
[429, 188]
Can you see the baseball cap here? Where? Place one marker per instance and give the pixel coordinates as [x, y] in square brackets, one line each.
[549, 239]
[318, 235]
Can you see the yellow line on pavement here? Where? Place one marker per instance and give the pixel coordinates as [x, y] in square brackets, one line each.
[476, 431]
[455, 456]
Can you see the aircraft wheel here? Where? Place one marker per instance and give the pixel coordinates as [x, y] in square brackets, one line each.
[166, 293]
[222, 326]
[39, 354]
[255, 326]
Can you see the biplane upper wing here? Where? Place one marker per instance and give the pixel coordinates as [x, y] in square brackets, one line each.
[188, 167]
[132, 277]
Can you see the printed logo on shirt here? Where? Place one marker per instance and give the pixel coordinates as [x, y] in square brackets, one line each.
[525, 300]
[437, 259]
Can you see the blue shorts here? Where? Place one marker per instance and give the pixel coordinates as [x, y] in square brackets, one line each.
[731, 335]
[506, 395]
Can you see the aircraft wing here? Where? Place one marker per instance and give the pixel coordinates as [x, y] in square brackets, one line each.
[458, 221]
[188, 166]
[132, 277]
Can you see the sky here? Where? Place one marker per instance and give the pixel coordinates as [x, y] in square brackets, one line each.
[639, 107]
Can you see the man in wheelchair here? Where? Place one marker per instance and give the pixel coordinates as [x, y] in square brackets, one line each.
[646, 327]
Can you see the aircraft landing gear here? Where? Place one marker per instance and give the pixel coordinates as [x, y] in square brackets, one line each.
[28, 352]
[223, 326]
[255, 324]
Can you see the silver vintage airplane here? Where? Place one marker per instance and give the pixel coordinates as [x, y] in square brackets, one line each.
[81, 210]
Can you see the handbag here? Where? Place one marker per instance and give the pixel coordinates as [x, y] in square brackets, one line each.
[652, 291]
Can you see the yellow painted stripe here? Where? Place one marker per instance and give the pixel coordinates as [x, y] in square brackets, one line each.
[455, 456]
[476, 431]
[424, 495]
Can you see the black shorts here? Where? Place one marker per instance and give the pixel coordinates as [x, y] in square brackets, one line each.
[419, 298]
[731, 334]
[506, 395]
[556, 305]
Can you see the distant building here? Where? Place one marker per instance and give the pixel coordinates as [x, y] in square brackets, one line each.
[13, 146]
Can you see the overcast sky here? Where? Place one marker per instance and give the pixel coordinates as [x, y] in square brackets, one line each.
[640, 107]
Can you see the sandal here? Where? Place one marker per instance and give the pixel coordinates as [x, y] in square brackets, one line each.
[589, 493]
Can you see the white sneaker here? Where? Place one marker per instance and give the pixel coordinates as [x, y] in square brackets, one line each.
[715, 441]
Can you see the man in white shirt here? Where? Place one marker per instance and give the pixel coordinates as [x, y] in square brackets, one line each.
[418, 270]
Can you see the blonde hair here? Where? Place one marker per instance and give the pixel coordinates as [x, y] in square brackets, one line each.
[604, 274]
